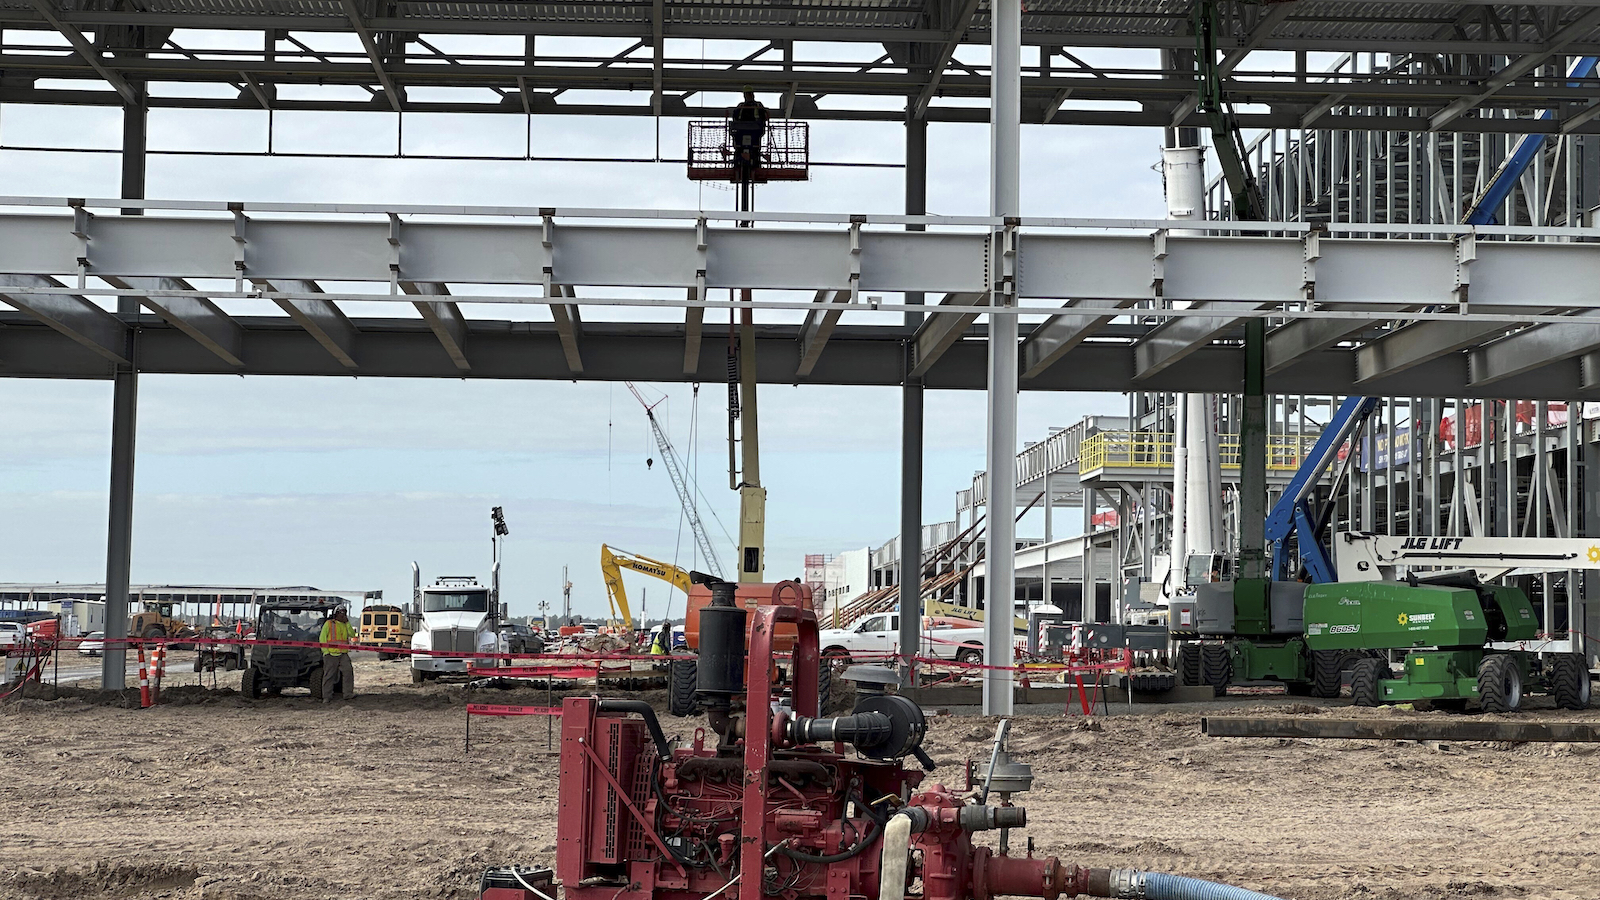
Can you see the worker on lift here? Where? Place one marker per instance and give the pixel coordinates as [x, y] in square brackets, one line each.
[747, 128]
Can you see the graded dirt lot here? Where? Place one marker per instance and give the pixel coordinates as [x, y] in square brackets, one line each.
[215, 797]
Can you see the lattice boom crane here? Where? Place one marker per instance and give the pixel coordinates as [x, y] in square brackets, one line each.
[669, 458]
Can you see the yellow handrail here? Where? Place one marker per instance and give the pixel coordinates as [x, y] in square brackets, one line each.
[1153, 450]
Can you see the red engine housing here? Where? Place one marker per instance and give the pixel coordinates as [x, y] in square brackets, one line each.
[805, 820]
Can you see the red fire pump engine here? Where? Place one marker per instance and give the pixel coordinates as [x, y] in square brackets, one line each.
[768, 803]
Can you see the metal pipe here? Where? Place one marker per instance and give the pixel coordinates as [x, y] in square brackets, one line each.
[1005, 138]
[1177, 575]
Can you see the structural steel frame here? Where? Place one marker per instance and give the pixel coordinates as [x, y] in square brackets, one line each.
[1501, 300]
[644, 59]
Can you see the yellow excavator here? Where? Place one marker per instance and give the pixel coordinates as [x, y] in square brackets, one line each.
[613, 561]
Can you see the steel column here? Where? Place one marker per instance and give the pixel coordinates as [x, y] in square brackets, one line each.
[1005, 133]
[1253, 454]
[124, 425]
[911, 429]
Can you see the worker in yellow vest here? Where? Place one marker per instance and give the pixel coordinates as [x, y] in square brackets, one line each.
[337, 668]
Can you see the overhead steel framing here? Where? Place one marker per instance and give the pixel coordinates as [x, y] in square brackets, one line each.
[1182, 296]
[1472, 57]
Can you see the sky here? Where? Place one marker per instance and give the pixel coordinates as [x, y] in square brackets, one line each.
[341, 483]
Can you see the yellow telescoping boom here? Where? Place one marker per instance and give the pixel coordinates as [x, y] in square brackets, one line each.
[612, 562]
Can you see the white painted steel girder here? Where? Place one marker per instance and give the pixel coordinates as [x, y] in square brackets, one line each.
[1074, 265]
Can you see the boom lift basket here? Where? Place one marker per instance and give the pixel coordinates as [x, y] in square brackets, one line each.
[785, 152]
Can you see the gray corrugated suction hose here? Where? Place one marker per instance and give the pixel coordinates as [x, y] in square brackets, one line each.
[1131, 883]
[896, 858]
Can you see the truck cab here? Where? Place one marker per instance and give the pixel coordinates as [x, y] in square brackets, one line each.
[458, 615]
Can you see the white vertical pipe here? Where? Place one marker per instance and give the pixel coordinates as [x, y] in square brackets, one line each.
[1180, 494]
[1005, 165]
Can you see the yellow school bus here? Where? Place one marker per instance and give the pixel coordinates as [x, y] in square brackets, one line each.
[386, 629]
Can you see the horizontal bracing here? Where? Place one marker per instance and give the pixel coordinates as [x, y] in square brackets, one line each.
[1107, 304]
[654, 352]
[1081, 259]
[1489, 61]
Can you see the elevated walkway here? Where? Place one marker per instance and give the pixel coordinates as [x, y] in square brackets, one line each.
[1113, 456]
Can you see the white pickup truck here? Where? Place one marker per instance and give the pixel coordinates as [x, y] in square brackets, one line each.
[878, 635]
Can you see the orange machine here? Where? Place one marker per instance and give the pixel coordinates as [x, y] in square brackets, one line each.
[750, 596]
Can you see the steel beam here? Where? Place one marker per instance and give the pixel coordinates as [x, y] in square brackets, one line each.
[858, 355]
[947, 50]
[1416, 729]
[1530, 349]
[444, 317]
[1175, 339]
[818, 327]
[1419, 343]
[1322, 108]
[74, 317]
[569, 324]
[370, 44]
[1259, 33]
[1299, 338]
[693, 320]
[47, 10]
[940, 330]
[1057, 335]
[1579, 28]
[320, 318]
[197, 317]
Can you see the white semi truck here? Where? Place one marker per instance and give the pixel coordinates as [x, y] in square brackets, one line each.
[458, 615]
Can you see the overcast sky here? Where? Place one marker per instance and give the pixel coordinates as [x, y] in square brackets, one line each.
[342, 482]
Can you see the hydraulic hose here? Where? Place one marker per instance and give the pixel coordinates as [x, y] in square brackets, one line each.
[1132, 883]
[831, 858]
[663, 749]
[896, 858]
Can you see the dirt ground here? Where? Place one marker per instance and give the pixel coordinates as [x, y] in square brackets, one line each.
[213, 797]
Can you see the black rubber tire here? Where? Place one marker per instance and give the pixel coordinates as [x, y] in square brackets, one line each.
[1327, 674]
[1216, 668]
[836, 659]
[1189, 664]
[1366, 677]
[315, 684]
[824, 688]
[1499, 684]
[1569, 681]
[248, 685]
[154, 631]
[972, 655]
[682, 679]
[417, 675]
